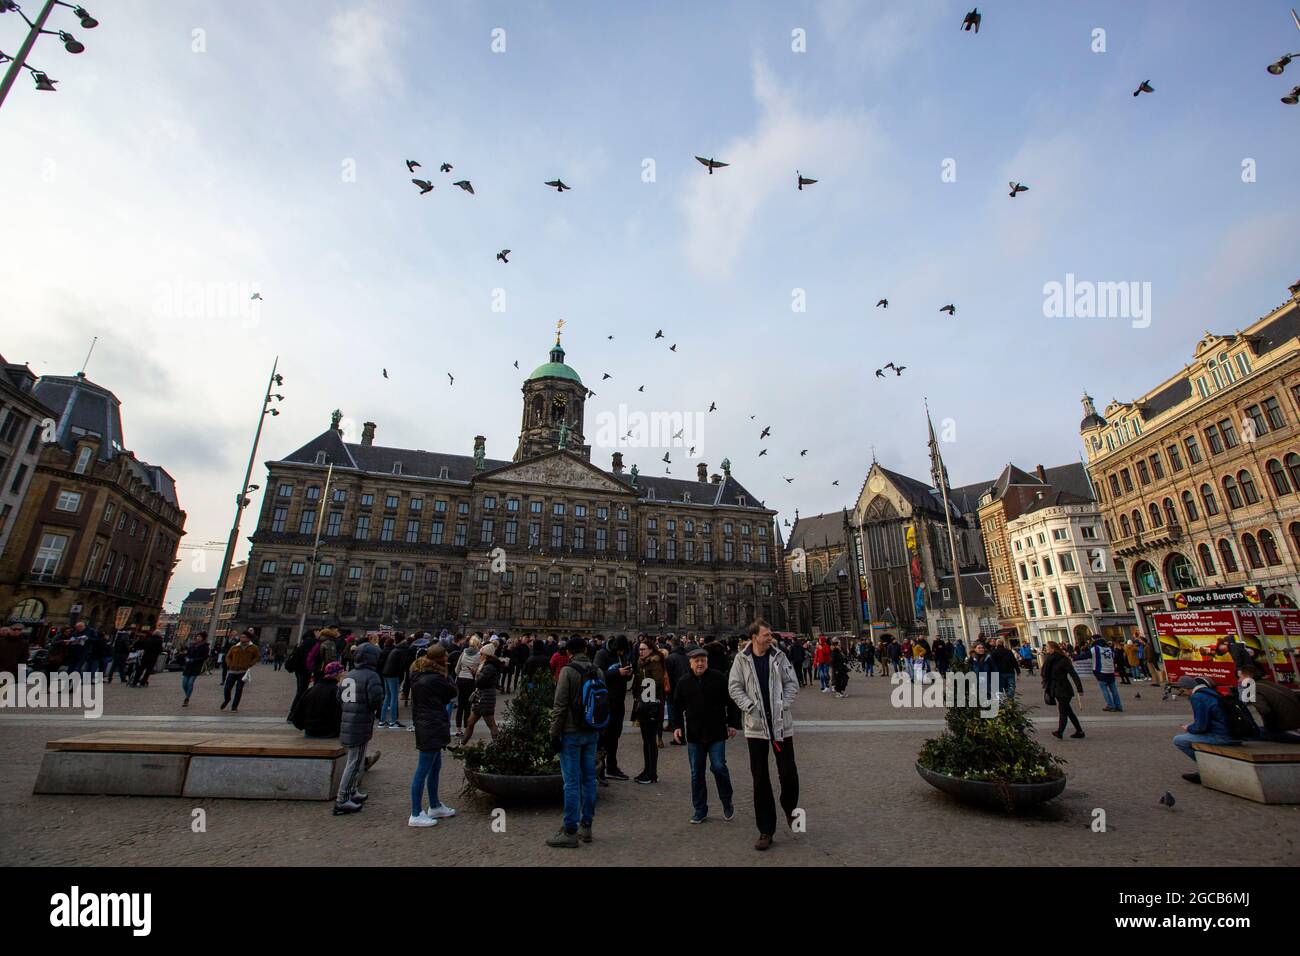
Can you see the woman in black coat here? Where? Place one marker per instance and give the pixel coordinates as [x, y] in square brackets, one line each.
[1057, 674]
[431, 692]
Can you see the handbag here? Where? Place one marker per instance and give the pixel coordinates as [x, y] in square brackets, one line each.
[1048, 698]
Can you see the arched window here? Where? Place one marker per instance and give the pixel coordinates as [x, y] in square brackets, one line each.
[1207, 496]
[1226, 557]
[1293, 468]
[1124, 525]
[1138, 526]
[1251, 550]
[1294, 530]
[1207, 559]
[1232, 492]
[1247, 487]
[30, 611]
[1154, 511]
[1110, 535]
[1269, 546]
[1171, 515]
[1145, 578]
[1179, 572]
[1189, 506]
[1277, 474]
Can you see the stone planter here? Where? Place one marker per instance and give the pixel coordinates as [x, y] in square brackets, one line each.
[548, 788]
[1001, 796]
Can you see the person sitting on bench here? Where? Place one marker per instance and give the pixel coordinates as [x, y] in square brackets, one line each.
[1278, 707]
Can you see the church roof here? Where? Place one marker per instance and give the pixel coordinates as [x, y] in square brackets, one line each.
[817, 531]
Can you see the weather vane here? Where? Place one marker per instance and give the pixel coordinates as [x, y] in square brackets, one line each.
[558, 326]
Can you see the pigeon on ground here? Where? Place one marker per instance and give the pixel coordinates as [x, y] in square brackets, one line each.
[424, 184]
[412, 165]
[972, 19]
[445, 167]
[1167, 800]
[712, 164]
[466, 185]
[950, 309]
[1144, 87]
[882, 304]
[1017, 188]
[502, 255]
[558, 185]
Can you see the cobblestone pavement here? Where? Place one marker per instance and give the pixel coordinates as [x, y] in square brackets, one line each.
[864, 802]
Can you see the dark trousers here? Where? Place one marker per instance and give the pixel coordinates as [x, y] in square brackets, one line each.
[464, 687]
[650, 747]
[1066, 712]
[304, 679]
[118, 664]
[234, 682]
[786, 772]
[609, 736]
[142, 672]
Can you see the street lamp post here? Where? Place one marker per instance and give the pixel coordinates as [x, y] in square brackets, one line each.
[241, 499]
[315, 556]
[35, 29]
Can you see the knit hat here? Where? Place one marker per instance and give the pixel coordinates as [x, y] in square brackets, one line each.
[333, 669]
[488, 650]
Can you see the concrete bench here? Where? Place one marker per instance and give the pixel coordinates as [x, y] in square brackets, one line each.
[1263, 772]
[275, 766]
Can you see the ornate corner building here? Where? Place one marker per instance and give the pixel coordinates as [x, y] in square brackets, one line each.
[1199, 477]
[544, 541]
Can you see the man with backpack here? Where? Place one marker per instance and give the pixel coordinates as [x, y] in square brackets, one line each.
[1214, 720]
[1103, 668]
[581, 711]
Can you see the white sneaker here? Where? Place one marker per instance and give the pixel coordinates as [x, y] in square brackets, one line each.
[420, 820]
[411, 729]
[441, 811]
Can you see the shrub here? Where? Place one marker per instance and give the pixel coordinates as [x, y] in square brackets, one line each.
[996, 749]
[523, 745]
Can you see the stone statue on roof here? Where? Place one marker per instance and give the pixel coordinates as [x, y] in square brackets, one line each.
[726, 467]
[336, 417]
[564, 435]
[634, 473]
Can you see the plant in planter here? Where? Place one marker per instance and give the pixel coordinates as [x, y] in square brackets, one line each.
[991, 760]
[522, 748]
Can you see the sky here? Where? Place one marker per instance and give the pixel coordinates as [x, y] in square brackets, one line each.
[200, 151]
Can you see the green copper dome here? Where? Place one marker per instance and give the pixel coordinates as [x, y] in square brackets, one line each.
[555, 368]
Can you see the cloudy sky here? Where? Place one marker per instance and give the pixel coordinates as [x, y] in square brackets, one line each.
[199, 151]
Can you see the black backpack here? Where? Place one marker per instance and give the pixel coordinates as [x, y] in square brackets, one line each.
[297, 658]
[1241, 724]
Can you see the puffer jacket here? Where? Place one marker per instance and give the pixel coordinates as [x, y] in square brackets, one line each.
[367, 697]
[318, 713]
[485, 685]
[467, 664]
[783, 687]
[430, 694]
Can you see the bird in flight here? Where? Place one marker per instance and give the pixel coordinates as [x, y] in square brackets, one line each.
[451, 379]
[762, 453]
[412, 165]
[1144, 87]
[640, 388]
[949, 308]
[256, 295]
[788, 480]
[972, 20]
[424, 184]
[558, 185]
[673, 347]
[466, 185]
[659, 334]
[803, 453]
[502, 255]
[667, 460]
[836, 482]
[610, 337]
[765, 432]
[898, 369]
[516, 363]
[752, 417]
[605, 376]
[1017, 188]
[803, 180]
[882, 304]
[880, 373]
[385, 371]
[712, 164]
[445, 167]
[679, 433]
[713, 406]
[787, 522]
[691, 453]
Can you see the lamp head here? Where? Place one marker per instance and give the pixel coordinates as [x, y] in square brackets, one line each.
[1277, 68]
[71, 43]
[87, 20]
[1292, 98]
[43, 82]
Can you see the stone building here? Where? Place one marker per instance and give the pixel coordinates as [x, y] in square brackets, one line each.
[543, 541]
[97, 535]
[1199, 477]
[21, 418]
[196, 612]
[819, 579]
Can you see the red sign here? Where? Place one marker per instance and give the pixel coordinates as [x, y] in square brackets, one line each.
[1187, 623]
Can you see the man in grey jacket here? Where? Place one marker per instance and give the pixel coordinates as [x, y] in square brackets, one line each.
[361, 693]
[763, 684]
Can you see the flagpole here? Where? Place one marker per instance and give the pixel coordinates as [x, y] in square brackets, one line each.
[941, 479]
[315, 556]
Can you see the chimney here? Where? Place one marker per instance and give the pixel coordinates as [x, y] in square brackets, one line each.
[617, 463]
[367, 434]
[702, 472]
[716, 479]
[1042, 475]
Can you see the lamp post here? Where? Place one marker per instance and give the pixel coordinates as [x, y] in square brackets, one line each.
[35, 29]
[315, 554]
[241, 499]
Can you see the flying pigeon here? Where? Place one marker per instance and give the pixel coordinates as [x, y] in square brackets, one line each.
[466, 185]
[898, 369]
[752, 417]
[516, 363]
[451, 379]
[255, 295]
[880, 373]
[949, 308]
[679, 433]
[424, 184]
[691, 453]
[558, 185]
[1167, 800]
[762, 453]
[882, 304]
[803, 180]
[713, 406]
[803, 453]
[787, 522]
[712, 164]
[659, 334]
[788, 480]
[673, 347]
[590, 393]
[502, 255]
[385, 371]
[667, 460]
[412, 165]
[1017, 188]
[445, 167]
[888, 365]
[972, 20]
[765, 432]
[836, 482]
[605, 376]
[1144, 87]
[610, 337]
[640, 388]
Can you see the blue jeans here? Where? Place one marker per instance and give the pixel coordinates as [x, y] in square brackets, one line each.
[1008, 684]
[1184, 742]
[823, 674]
[717, 757]
[578, 765]
[187, 684]
[427, 770]
[1110, 693]
[392, 689]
